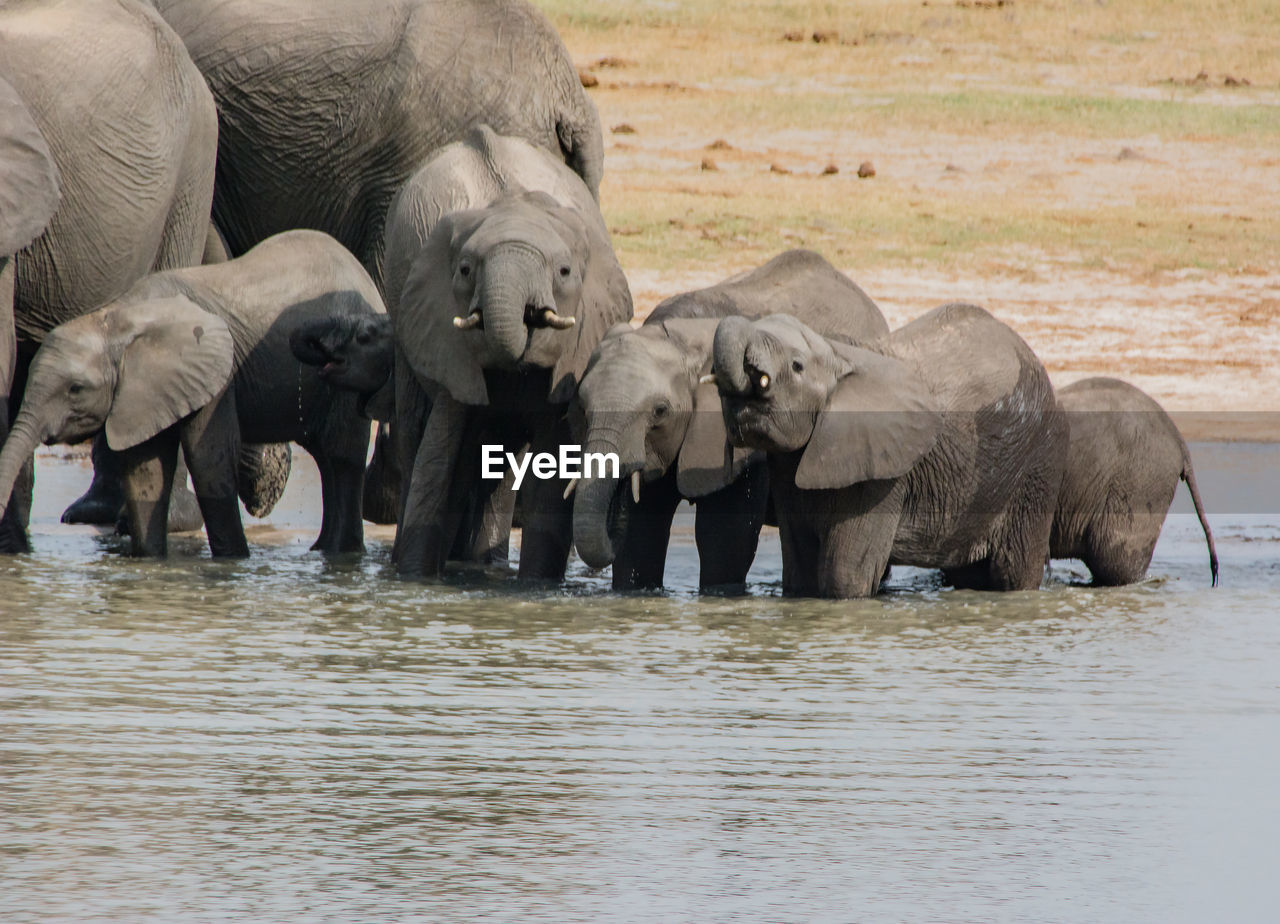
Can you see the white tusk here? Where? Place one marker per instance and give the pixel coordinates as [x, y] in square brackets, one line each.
[470, 321]
[569, 490]
[635, 486]
[551, 319]
[708, 379]
[764, 381]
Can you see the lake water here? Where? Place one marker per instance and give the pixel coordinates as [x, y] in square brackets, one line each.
[290, 738]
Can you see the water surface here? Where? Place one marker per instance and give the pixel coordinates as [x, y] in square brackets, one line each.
[294, 738]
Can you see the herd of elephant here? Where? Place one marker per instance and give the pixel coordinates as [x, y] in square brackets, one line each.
[229, 226]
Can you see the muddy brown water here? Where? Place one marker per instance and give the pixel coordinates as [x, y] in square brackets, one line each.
[293, 738]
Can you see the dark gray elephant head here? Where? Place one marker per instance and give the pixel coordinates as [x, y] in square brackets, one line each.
[28, 175]
[856, 414]
[354, 352]
[132, 368]
[640, 399]
[520, 284]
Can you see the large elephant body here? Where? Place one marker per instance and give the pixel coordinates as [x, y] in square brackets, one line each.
[1124, 460]
[327, 106]
[114, 100]
[941, 447]
[641, 400]
[509, 282]
[200, 357]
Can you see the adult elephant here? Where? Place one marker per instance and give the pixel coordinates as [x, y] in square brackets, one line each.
[111, 96]
[328, 106]
[641, 400]
[940, 447]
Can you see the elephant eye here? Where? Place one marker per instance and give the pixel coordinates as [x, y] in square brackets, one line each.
[797, 366]
[565, 271]
[363, 338]
[464, 271]
[661, 411]
[76, 388]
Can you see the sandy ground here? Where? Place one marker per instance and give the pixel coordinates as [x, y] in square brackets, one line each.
[1204, 341]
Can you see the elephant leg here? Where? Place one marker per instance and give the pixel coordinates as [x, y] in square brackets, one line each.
[1114, 560]
[380, 501]
[727, 529]
[412, 410]
[486, 537]
[13, 526]
[101, 504]
[146, 472]
[856, 546]
[211, 441]
[341, 484]
[546, 535]
[640, 559]
[423, 537]
[184, 509]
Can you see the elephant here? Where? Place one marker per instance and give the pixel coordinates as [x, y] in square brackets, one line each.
[941, 446]
[498, 316]
[328, 106]
[1123, 463]
[356, 353]
[199, 357]
[640, 400]
[115, 130]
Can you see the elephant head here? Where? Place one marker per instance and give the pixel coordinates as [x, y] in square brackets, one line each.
[523, 283]
[640, 398]
[133, 368]
[855, 414]
[28, 175]
[355, 352]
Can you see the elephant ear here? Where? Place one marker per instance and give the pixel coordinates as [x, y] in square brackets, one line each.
[436, 350]
[176, 358]
[605, 303]
[879, 421]
[28, 175]
[707, 462]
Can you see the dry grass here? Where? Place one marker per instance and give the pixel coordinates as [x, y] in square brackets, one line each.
[1038, 146]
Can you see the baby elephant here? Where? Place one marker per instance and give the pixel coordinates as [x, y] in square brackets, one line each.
[199, 357]
[941, 446]
[1123, 465]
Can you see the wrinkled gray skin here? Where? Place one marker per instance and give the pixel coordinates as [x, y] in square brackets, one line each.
[1124, 461]
[941, 448]
[641, 399]
[200, 357]
[356, 353]
[135, 177]
[328, 106]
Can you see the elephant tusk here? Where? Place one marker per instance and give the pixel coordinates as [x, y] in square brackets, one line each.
[551, 319]
[764, 381]
[635, 486]
[467, 323]
[569, 490]
[708, 379]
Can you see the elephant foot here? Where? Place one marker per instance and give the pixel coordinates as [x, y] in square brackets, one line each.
[99, 506]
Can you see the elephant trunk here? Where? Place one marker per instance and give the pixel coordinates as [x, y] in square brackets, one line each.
[28, 432]
[599, 504]
[512, 293]
[728, 351]
[320, 341]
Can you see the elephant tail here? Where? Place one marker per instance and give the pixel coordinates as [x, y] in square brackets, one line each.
[1189, 476]
[261, 474]
[581, 142]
